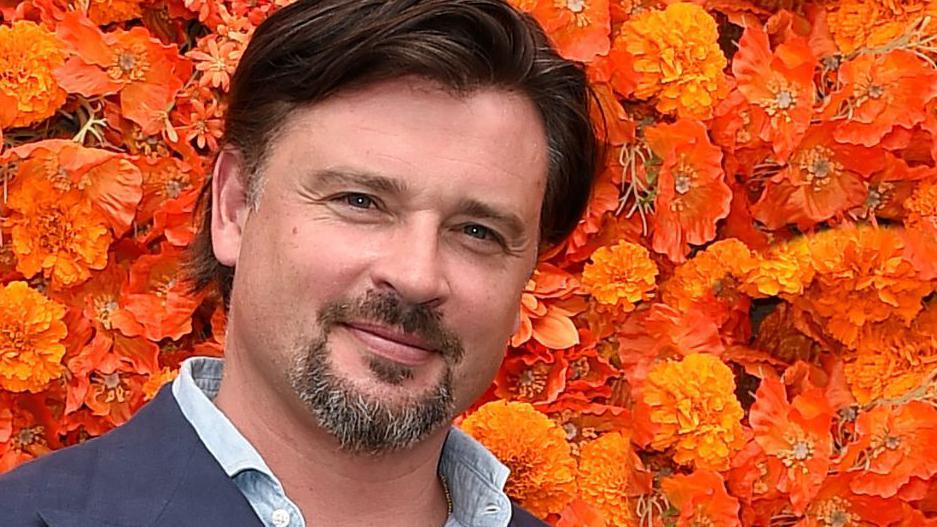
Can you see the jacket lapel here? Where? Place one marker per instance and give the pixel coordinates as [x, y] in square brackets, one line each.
[154, 471]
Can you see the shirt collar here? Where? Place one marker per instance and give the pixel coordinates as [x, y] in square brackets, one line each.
[474, 475]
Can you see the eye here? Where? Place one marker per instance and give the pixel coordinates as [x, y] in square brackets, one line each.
[359, 201]
[481, 232]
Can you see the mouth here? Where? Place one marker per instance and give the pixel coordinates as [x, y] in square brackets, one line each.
[392, 344]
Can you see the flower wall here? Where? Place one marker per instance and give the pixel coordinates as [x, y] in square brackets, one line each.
[742, 330]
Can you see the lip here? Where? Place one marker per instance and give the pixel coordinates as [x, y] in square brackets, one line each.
[389, 343]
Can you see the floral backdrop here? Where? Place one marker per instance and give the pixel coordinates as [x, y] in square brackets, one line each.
[742, 330]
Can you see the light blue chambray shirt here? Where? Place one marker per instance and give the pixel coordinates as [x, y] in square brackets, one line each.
[475, 477]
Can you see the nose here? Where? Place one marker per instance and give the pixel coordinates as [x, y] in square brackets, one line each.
[412, 264]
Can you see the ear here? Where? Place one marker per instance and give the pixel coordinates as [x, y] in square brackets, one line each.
[230, 207]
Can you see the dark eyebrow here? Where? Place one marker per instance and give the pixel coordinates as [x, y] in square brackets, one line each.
[367, 180]
[508, 220]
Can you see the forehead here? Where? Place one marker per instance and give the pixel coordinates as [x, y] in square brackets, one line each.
[412, 130]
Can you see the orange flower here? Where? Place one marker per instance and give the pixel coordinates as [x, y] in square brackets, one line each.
[115, 395]
[548, 302]
[871, 23]
[108, 180]
[215, 60]
[862, 277]
[878, 93]
[894, 445]
[690, 406]
[157, 298]
[754, 479]
[677, 59]
[146, 73]
[57, 234]
[702, 499]
[784, 269]
[621, 275]
[164, 179]
[153, 384]
[27, 429]
[778, 335]
[891, 359]
[778, 85]
[835, 504]
[922, 206]
[710, 281]
[797, 434]
[104, 12]
[530, 378]
[579, 28]
[31, 334]
[543, 471]
[29, 54]
[692, 194]
[612, 477]
[921, 235]
[823, 179]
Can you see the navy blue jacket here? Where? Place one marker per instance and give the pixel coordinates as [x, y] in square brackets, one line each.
[153, 471]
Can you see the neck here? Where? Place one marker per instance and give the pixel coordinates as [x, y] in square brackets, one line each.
[400, 488]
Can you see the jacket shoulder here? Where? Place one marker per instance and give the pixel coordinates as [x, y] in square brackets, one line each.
[522, 518]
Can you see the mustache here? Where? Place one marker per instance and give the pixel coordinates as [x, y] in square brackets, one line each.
[387, 308]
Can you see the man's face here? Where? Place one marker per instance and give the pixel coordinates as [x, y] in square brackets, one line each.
[379, 274]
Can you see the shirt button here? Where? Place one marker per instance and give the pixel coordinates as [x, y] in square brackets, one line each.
[281, 518]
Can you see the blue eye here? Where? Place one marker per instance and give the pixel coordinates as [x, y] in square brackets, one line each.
[359, 201]
[478, 231]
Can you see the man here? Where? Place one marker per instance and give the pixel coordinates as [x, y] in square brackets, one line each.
[391, 171]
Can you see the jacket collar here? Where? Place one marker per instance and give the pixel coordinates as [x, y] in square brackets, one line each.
[153, 471]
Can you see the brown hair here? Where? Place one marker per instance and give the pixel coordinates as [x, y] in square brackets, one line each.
[311, 49]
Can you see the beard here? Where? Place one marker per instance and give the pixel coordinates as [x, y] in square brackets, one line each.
[362, 422]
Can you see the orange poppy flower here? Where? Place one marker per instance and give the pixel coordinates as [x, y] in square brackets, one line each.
[778, 85]
[146, 73]
[531, 378]
[677, 59]
[835, 503]
[164, 179]
[822, 179]
[753, 479]
[894, 444]
[888, 190]
[589, 369]
[778, 335]
[620, 276]
[797, 434]
[27, 429]
[580, 514]
[584, 420]
[157, 298]
[543, 472]
[58, 235]
[115, 395]
[702, 499]
[878, 93]
[690, 406]
[29, 54]
[547, 305]
[579, 28]
[692, 194]
[109, 181]
[31, 348]
[611, 477]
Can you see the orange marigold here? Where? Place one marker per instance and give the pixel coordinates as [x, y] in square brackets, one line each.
[611, 477]
[104, 12]
[621, 275]
[712, 274]
[58, 234]
[892, 359]
[783, 269]
[922, 206]
[543, 470]
[29, 93]
[859, 24]
[31, 334]
[677, 59]
[862, 277]
[690, 405]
